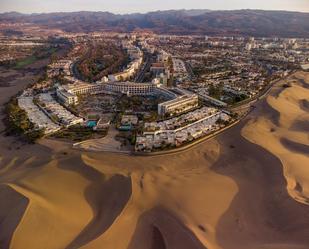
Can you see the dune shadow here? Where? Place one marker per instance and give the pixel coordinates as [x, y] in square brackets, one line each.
[12, 208]
[272, 113]
[294, 146]
[300, 125]
[304, 105]
[107, 199]
[303, 83]
[262, 211]
[157, 239]
[160, 229]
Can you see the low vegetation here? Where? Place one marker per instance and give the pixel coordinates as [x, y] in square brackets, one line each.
[101, 60]
[38, 54]
[78, 133]
[25, 62]
[19, 124]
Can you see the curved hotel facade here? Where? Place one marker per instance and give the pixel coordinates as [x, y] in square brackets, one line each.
[130, 88]
[68, 93]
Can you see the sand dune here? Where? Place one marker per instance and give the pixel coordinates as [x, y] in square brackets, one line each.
[157, 229]
[52, 211]
[107, 200]
[226, 193]
[11, 212]
[287, 138]
[167, 182]
[262, 214]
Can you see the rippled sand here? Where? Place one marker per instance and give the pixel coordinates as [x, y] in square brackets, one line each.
[245, 189]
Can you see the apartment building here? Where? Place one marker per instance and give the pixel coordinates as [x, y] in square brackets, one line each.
[68, 94]
[130, 88]
[66, 97]
[179, 105]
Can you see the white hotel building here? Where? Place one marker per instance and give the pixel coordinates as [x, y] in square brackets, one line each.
[68, 93]
[179, 105]
[130, 88]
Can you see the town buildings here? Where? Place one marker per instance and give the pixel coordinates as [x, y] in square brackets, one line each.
[67, 94]
[136, 57]
[130, 88]
[178, 131]
[56, 112]
[179, 105]
[37, 116]
[186, 73]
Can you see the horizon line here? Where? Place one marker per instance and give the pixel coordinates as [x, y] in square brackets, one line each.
[146, 12]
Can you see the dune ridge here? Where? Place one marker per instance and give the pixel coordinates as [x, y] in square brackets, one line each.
[166, 183]
[281, 138]
[52, 210]
[229, 192]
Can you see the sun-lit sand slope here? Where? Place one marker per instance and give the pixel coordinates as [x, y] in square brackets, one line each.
[173, 196]
[225, 193]
[162, 202]
[285, 133]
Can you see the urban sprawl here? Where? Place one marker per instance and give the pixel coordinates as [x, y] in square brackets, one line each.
[157, 91]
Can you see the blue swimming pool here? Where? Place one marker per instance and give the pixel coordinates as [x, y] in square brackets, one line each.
[91, 123]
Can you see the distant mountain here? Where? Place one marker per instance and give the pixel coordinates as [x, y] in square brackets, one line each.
[203, 22]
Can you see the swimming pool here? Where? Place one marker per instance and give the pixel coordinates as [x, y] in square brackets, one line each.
[91, 123]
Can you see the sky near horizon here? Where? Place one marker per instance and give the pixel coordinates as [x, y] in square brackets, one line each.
[132, 6]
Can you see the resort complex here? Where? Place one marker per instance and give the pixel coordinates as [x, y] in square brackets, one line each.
[170, 129]
[157, 95]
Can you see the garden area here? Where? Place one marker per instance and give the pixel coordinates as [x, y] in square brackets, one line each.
[78, 133]
[101, 59]
[19, 124]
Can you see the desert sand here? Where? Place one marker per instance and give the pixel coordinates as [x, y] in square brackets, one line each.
[285, 133]
[246, 188]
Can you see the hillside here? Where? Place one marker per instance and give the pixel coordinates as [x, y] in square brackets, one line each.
[237, 22]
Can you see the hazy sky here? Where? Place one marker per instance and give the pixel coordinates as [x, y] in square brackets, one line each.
[129, 6]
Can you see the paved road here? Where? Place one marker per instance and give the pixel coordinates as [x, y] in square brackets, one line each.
[189, 70]
[146, 66]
